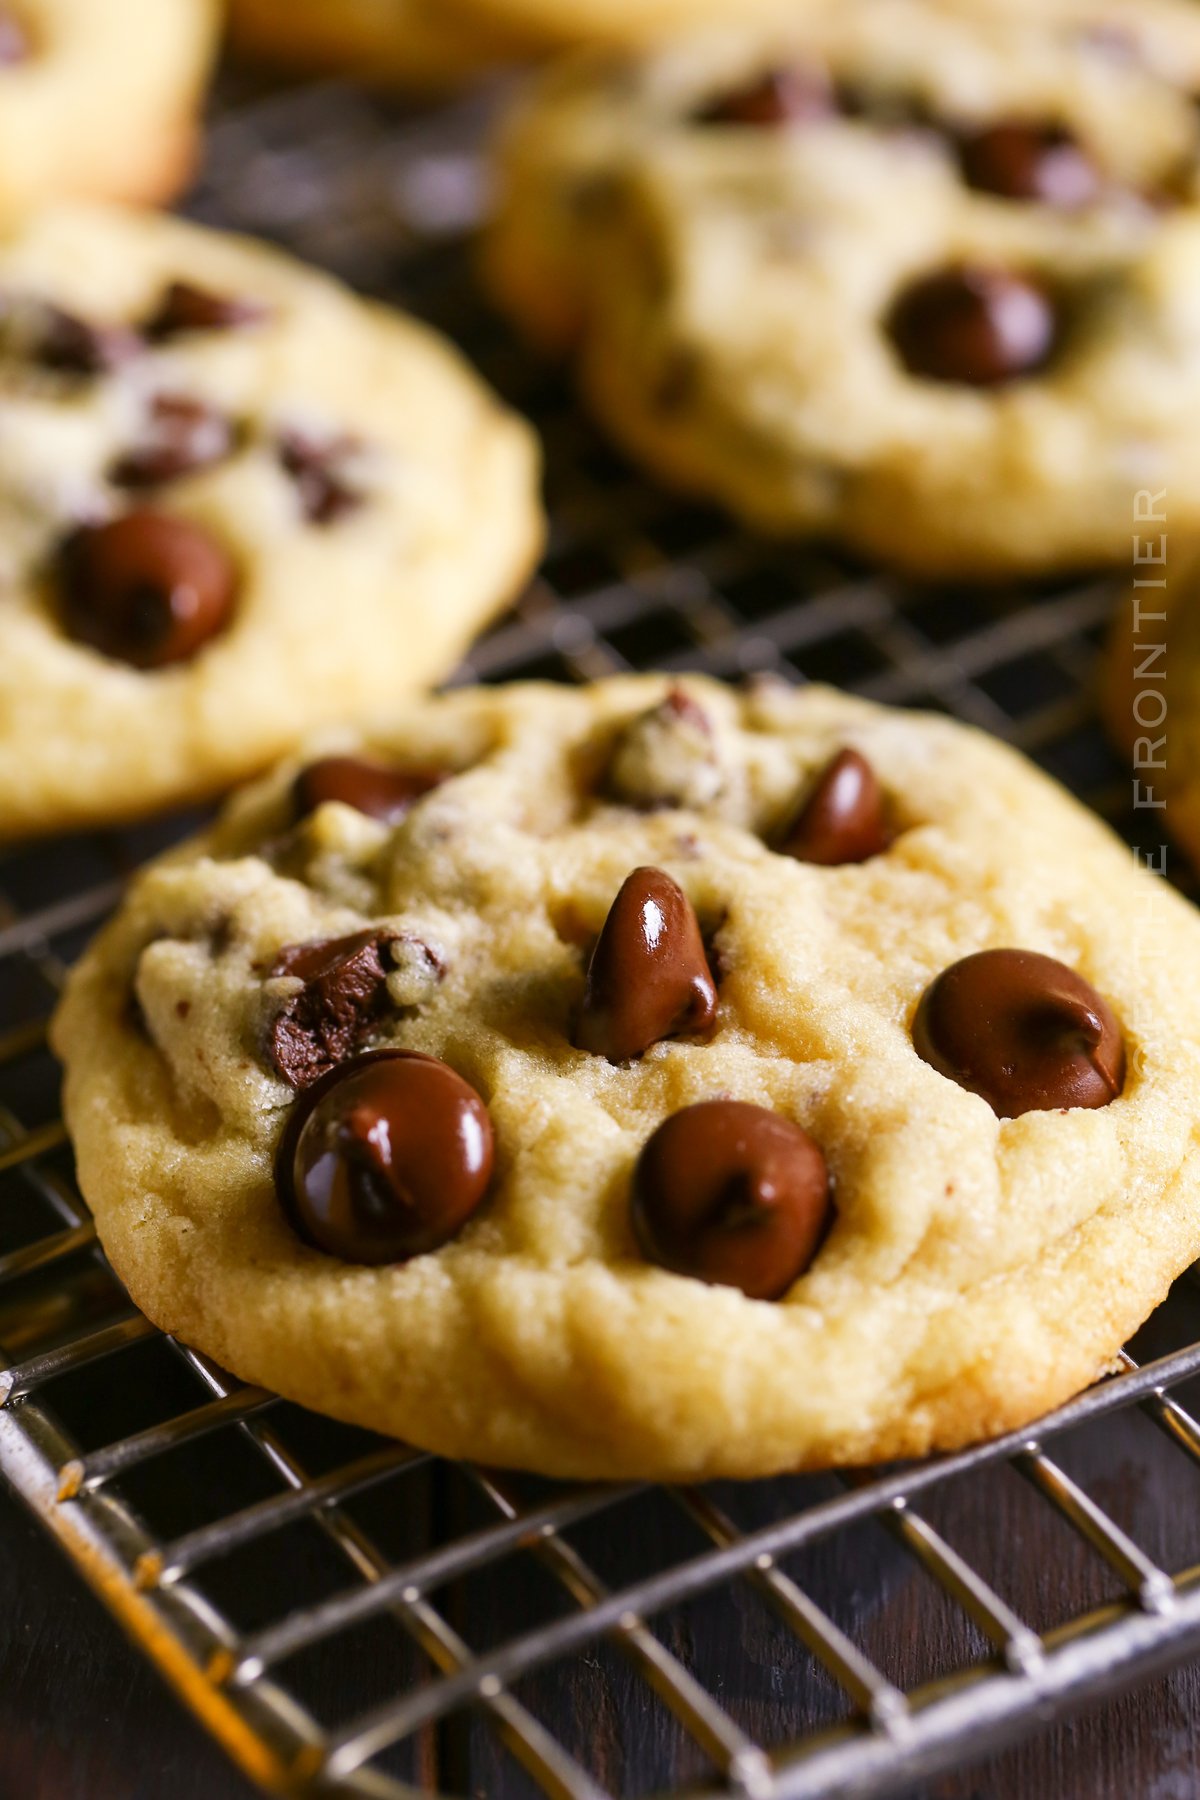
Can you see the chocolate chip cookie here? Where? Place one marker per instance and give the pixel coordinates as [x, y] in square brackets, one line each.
[910, 274]
[100, 99]
[648, 1080]
[236, 502]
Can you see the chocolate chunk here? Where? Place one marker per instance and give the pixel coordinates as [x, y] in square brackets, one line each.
[1021, 161]
[182, 435]
[373, 788]
[186, 308]
[794, 95]
[648, 978]
[145, 588]
[1023, 1031]
[843, 819]
[386, 1158]
[666, 756]
[975, 325]
[74, 346]
[316, 466]
[343, 998]
[732, 1194]
[16, 44]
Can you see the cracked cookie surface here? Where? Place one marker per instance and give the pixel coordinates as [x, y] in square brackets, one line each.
[961, 1272]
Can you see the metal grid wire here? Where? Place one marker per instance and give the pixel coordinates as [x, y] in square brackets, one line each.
[256, 1552]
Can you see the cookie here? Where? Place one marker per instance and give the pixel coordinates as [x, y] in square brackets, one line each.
[907, 274]
[556, 24]
[236, 502]
[408, 43]
[100, 101]
[648, 1081]
[1150, 686]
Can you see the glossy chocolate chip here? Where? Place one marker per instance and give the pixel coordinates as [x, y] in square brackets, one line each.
[382, 793]
[343, 997]
[786, 96]
[386, 1158]
[186, 308]
[1023, 1031]
[16, 44]
[317, 467]
[974, 325]
[1020, 161]
[844, 819]
[145, 588]
[648, 978]
[74, 346]
[182, 435]
[732, 1194]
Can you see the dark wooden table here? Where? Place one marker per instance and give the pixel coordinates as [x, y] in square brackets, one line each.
[84, 1717]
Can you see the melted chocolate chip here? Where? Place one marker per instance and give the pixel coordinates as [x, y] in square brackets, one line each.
[316, 466]
[1023, 1031]
[786, 96]
[16, 45]
[373, 788]
[74, 346]
[185, 308]
[1020, 161]
[648, 978]
[145, 589]
[975, 325]
[182, 435]
[843, 819]
[732, 1194]
[386, 1158]
[343, 998]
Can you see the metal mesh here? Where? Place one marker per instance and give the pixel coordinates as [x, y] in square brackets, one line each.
[334, 1606]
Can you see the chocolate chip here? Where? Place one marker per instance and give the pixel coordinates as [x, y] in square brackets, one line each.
[794, 95]
[648, 978]
[386, 1158]
[1021, 161]
[843, 819]
[145, 588]
[182, 435]
[1023, 1031]
[976, 325]
[343, 997]
[316, 467]
[382, 793]
[74, 346]
[16, 45]
[732, 1194]
[186, 308]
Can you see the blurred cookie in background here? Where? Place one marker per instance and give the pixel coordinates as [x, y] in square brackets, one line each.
[403, 43]
[235, 502]
[100, 98]
[913, 274]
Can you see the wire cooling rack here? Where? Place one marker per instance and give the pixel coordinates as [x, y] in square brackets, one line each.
[349, 1616]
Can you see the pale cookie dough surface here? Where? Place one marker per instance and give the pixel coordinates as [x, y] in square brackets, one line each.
[1151, 690]
[104, 104]
[331, 618]
[727, 288]
[978, 1270]
[417, 43]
